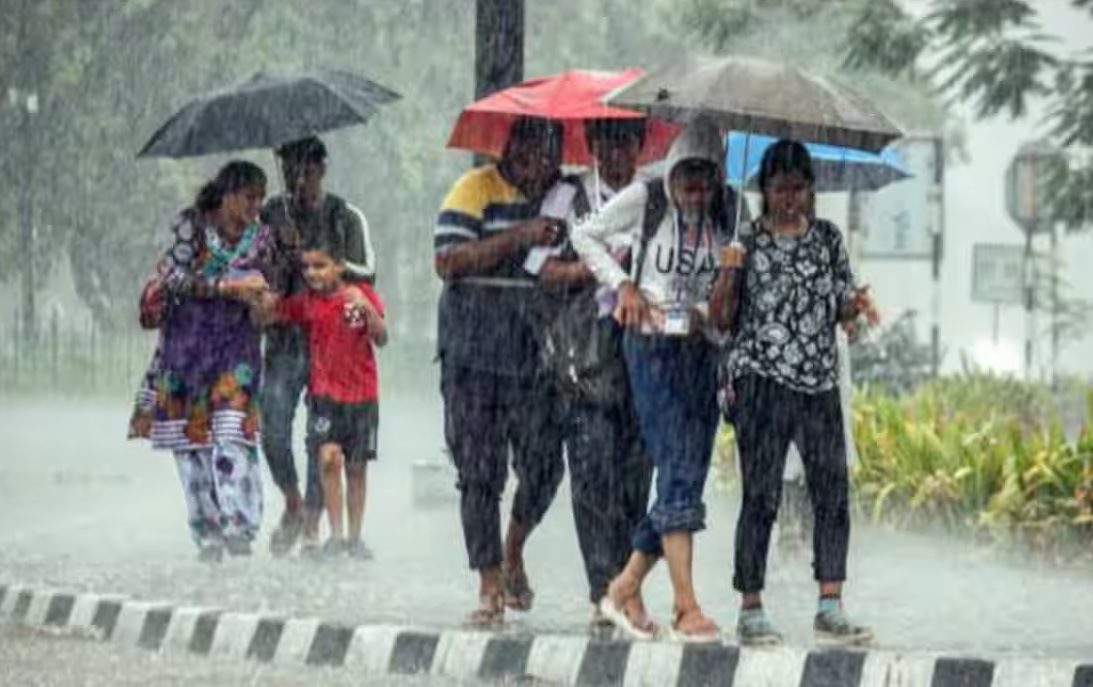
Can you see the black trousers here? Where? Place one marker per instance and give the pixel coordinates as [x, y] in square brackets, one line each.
[768, 415]
[485, 416]
[609, 479]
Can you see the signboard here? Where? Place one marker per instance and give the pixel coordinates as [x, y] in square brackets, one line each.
[900, 220]
[998, 274]
[1027, 179]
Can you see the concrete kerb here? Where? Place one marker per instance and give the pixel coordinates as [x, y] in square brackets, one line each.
[379, 650]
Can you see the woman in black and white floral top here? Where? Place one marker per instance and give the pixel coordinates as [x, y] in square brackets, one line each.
[784, 287]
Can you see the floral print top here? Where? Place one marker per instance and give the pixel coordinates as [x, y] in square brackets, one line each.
[792, 289]
[202, 386]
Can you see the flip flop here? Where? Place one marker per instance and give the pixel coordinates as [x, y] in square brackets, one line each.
[490, 612]
[619, 619]
[708, 633]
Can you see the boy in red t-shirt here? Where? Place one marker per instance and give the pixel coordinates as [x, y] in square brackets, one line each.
[342, 324]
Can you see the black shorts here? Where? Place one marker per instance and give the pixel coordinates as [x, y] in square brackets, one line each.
[353, 426]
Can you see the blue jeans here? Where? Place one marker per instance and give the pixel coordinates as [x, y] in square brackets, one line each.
[284, 379]
[674, 383]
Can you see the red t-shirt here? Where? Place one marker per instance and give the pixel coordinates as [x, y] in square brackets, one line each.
[343, 364]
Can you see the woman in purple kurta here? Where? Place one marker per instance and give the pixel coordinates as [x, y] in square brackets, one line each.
[199, 399]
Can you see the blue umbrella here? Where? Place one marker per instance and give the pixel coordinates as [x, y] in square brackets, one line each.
[837, 168]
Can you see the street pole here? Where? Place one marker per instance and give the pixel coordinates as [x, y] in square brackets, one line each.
[26, 232]
[936, 255]
[994, 329]
[498, 47]
[1030, 299]
[1054, 308]
[27, 103]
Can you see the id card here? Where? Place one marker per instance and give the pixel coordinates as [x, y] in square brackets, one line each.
[677, 321]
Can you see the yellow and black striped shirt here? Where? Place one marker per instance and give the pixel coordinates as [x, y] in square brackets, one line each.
[481, 326]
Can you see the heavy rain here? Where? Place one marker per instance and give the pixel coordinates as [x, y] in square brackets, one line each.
[719, 342]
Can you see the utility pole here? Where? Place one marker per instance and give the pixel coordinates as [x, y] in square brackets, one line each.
[26, 101]
[1054, 307]
[498, 47]
[937, 194]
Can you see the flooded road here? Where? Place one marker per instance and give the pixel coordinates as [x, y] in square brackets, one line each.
[84, 510]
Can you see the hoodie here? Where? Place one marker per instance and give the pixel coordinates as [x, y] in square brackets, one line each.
[679, 268]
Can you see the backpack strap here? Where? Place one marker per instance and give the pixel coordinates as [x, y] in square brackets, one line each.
[656, 207]
[581, 205]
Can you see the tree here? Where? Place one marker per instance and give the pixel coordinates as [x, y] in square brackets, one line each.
[993, 55]
[112, 71]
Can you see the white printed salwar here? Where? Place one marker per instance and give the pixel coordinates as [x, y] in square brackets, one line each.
[222, 486]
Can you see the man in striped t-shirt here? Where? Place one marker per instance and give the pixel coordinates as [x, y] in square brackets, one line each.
[489, 358]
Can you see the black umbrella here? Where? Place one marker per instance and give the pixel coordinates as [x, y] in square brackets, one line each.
[267, 110]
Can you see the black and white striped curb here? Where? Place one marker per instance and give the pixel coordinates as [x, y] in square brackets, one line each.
[378, 650]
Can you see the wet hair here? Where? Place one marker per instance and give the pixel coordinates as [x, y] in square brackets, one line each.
[235, 175]
[614, 130]
[784, 157]
[328, 242]
[545, 132]
[309, 149]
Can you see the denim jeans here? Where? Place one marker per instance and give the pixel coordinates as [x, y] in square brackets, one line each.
[674, 383]
[285, 372]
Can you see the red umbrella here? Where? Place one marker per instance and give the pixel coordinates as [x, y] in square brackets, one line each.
[571, 97]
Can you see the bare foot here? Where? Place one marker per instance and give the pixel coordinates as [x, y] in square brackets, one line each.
[519, 595]
[634, 608]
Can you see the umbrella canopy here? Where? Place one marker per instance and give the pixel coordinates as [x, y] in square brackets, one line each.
[571, 97]
[267, 110]
[761, 98]
[837, 168]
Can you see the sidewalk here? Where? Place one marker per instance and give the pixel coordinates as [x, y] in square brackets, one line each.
[543, 659]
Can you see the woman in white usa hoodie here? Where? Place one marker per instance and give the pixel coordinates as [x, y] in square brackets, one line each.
[671, 356]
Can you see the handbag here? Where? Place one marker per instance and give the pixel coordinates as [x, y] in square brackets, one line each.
[582, 352]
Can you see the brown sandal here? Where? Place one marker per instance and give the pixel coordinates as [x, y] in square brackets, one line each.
[697, 628]
[490, 611]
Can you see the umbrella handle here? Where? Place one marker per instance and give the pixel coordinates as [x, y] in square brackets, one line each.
[743, 181]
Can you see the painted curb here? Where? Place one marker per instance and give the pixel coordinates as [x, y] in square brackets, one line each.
[378, 650]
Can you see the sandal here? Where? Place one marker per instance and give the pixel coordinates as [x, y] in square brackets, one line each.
[618, 617]
[639, 617]
[490, 611]
[518, 593]
[699, 628]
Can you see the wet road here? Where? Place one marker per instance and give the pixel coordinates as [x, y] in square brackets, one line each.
[87, 511]
[33, 659]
